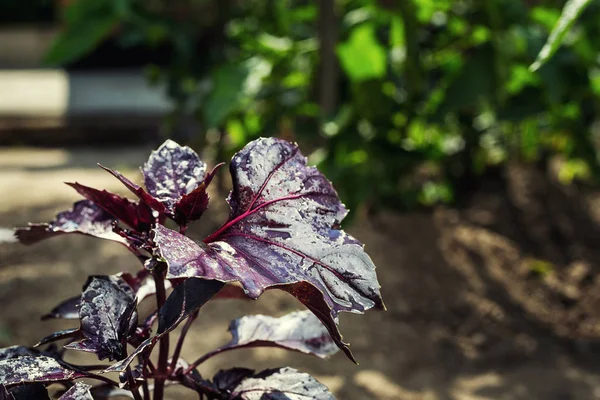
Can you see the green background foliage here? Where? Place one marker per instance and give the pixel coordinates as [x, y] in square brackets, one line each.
[402, 103]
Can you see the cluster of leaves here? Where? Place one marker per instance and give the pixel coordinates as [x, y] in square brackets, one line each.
[283, 232]
[424, 97]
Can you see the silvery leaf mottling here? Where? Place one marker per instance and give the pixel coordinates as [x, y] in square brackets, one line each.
[300, 331]
[173, 171]
[281, 384]
[29, 369]
[107, 314]
[283, 231]
[79, 391]
[85, 218]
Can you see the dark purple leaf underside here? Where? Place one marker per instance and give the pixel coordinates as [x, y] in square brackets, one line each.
[30, 391]
[67, 333]
[107, 312]
[226, 380]
[186, 298]
[173, 171]
[29, 369]
[145, 348]
[192, 205]
[136, 215]
[137, 190]
[300, 331]
[281, 384]
[68, 309]
[85, 217]
[282, 232]
[4, 394]
[79, 391]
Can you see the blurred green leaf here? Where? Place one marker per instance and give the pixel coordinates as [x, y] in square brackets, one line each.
[362, 57]
[571, 11]
[226, 93]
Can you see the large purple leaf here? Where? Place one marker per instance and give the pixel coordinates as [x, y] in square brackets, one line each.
[107, 314]
[85, 217]
[79, 391]
[276, 384]
[137, 215]
[173, 171]
[283, 231]
[300, 331]
[27, 369]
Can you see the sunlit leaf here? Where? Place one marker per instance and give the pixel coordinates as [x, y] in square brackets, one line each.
[362, 57]
[571, 11]
[283, 232]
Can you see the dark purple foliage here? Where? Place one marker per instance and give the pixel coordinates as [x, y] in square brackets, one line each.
[107, 313]
[68, 309]
[176, 182]
[85, 218]
[172, 172]
[64, 334]
[4, 394]
[186, 299]
[283, 232]
[79, 391]
[136, 215]
[28, 369]
[36, 391]
[300, 331]
[145, 348]
[226, 380]
[275, 384]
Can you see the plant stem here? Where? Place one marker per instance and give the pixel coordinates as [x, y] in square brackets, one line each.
[179, 345]
[134, 390]
[206, 357]
[163, 351]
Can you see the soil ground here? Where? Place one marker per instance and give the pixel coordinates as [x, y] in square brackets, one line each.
[499, 299]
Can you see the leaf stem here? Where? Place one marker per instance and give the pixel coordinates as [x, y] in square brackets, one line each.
[206, 357]
[182, 335]
[163, 352]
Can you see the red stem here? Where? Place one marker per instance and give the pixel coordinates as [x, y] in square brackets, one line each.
[206, 357]
[182, 335]
[163, 352]
[132, 388]
[234, 221]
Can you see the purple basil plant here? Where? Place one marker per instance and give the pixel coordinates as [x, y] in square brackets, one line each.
[283, 232]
